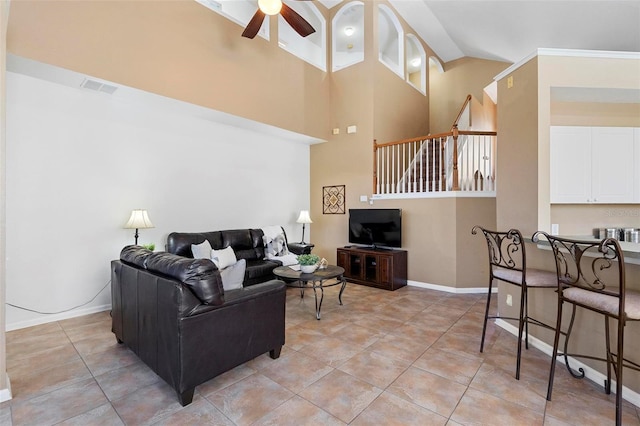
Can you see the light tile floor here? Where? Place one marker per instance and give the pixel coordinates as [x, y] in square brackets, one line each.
[408, 357]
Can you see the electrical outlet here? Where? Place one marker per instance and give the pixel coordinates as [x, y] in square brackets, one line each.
[509, 300]
[509, 82]
[336, 131]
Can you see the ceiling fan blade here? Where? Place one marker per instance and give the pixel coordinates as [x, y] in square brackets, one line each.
[297, 22]
[254, 25]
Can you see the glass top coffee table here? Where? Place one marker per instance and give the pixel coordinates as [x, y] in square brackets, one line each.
[318, 280]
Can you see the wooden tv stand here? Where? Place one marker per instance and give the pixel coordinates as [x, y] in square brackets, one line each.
[382, 268]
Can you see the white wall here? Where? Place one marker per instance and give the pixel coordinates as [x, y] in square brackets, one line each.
[78, 162]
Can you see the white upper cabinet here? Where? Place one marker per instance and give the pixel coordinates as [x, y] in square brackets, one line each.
[612, 164]
[570, 164]
[593, 165]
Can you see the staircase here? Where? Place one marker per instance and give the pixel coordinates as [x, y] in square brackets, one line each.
[460, 160]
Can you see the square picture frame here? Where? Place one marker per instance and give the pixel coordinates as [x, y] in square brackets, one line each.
[333, 199]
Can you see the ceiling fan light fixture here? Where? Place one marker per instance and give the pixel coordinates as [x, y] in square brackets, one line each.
[270, 7]
[348, 31]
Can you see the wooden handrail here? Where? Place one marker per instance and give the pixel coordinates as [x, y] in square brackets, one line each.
[464, 105]
[436, 136]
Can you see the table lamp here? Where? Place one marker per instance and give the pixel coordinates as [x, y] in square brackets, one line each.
[139, 220]
[304, 219]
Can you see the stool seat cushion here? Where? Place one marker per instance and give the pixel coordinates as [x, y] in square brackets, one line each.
[604, 302]
[535, 277]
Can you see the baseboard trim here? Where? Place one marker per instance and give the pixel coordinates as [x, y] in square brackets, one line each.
[5, 394]
[448, 289]
[57, 317]
[590, 373]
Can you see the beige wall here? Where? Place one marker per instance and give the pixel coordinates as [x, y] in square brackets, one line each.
[595, 114]
[471, 250]
[448, 90]
[178, 49]
[517, 165]
[4, 16]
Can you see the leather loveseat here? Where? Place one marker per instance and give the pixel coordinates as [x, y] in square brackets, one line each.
[174, 313]
[247, 244]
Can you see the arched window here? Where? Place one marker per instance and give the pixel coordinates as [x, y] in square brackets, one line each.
[238, 11]
[347, 44]
[390, 40]
[313, 48]
[416, 66]
[435, 63]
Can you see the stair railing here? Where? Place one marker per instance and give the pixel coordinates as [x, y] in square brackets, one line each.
[460, 160]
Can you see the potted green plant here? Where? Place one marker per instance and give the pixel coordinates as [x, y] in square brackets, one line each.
[308, 262]
[150, 246]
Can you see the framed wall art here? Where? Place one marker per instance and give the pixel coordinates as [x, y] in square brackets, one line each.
[333, 199]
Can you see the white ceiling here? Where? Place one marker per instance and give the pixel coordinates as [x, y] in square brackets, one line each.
[510, 30]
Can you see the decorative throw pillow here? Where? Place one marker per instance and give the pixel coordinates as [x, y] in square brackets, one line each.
[223, 258]
[202, 250]
[280, 245]
[268, 246]
[233, 276]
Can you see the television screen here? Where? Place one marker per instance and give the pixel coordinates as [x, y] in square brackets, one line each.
[376, 227]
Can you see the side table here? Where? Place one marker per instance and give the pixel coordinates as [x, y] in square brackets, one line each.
[300, 248]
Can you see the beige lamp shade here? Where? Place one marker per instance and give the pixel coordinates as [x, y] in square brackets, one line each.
[139, 220]
[304, 217]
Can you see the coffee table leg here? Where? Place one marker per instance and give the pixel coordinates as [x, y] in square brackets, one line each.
[303, 284]
[344, 284]
[315, 292]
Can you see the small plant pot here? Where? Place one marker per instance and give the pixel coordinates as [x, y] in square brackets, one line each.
[308, 269]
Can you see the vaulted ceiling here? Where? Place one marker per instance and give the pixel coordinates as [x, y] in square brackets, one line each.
[509, 30]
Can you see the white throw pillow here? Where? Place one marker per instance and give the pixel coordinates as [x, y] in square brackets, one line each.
[202, 250]
[268, 246]
[280, 245]
[223, 258]
[233, 276]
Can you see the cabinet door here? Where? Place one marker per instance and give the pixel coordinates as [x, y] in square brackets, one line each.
[371, 268]
[612, 164]
[343, 261]
[356, 266]
[385, 275]
[570, 155]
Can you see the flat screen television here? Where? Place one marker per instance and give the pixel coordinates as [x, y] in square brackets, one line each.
[376, 227]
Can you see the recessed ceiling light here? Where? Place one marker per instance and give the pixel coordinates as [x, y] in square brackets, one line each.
[349, 31]
[416, 62]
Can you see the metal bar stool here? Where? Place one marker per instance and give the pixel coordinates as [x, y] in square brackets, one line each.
[591, 275]
[508, 263]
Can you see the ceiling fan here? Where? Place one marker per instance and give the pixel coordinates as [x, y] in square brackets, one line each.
[273, 7]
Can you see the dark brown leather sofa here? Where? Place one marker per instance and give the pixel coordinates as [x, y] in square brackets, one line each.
[246, 243]
[173, 312]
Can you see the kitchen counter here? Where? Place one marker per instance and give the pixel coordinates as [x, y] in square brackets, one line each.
[631, 251]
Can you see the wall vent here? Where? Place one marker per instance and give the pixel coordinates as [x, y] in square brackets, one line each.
[98, 86]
